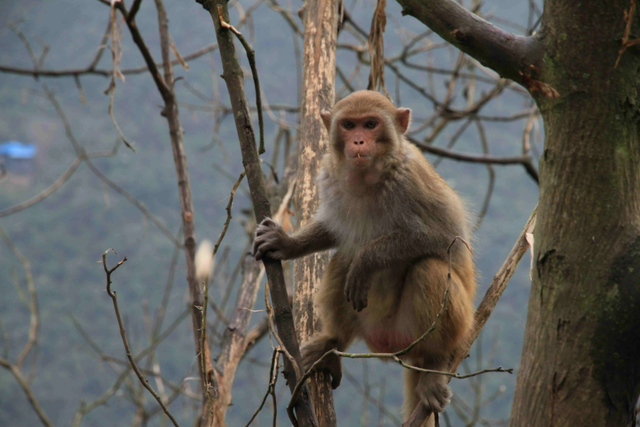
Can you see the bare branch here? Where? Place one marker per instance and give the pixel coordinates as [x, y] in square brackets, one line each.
[271, 389]
[509, 55]
[525, 161]
[497, 287]
[112, 294]
[24, 384]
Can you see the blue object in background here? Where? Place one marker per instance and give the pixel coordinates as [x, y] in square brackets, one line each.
[18, 150]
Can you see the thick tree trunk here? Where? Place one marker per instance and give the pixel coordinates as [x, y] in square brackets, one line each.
[321, 29]
[581, 357]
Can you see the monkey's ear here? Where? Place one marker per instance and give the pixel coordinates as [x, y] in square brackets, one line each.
[403, 116]
[326, 119]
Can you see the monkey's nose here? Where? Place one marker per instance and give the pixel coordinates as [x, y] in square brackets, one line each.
[358, 142]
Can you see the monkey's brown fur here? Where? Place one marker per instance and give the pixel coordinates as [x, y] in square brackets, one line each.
[391, 218]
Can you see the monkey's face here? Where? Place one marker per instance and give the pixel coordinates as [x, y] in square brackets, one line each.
[362, 139]
[364, 127]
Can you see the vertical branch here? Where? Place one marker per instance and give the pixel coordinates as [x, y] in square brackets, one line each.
[233, 77]
[318, 80]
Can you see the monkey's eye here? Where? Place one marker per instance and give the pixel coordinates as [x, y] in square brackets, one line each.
[371, 124]
[348, 125]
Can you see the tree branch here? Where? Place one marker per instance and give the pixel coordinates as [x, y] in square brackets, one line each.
[74, 72]
[513, 57]
[524, 160]
[125, 342]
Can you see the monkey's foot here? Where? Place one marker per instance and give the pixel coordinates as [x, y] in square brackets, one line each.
[435, 396]
[314, 350]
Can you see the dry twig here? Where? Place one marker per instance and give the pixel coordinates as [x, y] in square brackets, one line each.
[123, 335]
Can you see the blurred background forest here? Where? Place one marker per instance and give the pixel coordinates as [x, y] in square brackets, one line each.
[64, 235]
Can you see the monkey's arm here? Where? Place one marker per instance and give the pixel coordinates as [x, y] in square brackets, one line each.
[391, 249]
[272, 241]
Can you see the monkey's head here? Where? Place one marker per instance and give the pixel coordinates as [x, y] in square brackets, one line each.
[364, 127]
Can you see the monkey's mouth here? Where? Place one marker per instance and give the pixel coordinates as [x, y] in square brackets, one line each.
[360, 156]
[360, 160]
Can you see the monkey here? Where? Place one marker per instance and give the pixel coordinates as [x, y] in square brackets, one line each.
[391, 218]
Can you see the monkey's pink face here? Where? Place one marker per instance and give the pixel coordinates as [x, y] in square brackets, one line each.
[364, 139]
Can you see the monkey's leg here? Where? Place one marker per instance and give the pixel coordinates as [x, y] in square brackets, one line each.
[421, 301]
[339, 321]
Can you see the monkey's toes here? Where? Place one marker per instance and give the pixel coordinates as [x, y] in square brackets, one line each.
[436, 397]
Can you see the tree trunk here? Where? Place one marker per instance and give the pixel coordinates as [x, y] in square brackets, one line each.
[581, 356]
[321, 29]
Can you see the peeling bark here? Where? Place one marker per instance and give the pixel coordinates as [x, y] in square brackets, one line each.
[321, 29]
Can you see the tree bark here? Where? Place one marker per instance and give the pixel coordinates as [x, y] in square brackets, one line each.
[318, 92]
[581, 358]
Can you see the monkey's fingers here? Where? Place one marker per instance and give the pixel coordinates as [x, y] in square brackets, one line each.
[360, 297]
[356, 293]
[261, 247]
[268, 222]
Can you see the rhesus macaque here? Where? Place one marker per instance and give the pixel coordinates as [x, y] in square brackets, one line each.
[391, 218]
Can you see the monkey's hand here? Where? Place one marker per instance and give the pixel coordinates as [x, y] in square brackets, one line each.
[358, 284]
[272, 241]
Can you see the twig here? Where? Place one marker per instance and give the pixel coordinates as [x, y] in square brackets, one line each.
[203, 333]
[271, 389]
[24, 384]
[492, 176]
[525, 161]
[228, 209]
[377, 402]
[15, 368]
[497, 287]
[34, 322]
[112, 294]
[91, 70]
[628, 19]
